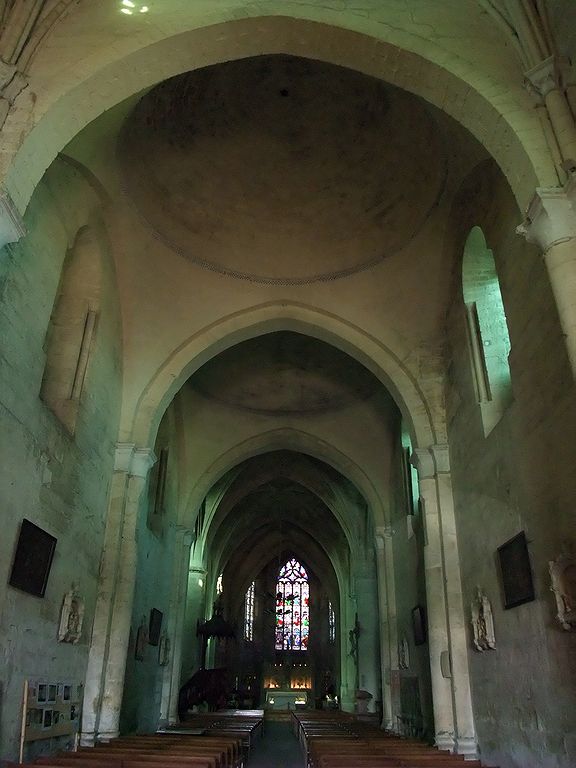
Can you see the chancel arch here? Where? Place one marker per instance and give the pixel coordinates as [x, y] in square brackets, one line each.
[383, 362]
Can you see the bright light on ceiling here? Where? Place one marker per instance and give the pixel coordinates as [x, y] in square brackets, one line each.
[129, 7]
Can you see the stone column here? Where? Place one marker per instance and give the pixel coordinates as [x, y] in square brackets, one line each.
[388, 627]
[551, 224]
[193, 612]
[182, 593]
[109, 562]
[453, 714]
[175, 625]
[368, 641]
[347, 667]
[121, 615]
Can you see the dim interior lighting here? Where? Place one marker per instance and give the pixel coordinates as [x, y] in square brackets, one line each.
[200, 583]
[129, 7]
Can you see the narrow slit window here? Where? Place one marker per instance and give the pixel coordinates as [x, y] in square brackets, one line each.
[249, 613]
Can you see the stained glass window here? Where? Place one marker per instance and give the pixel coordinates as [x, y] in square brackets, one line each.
[219, 586]
[249, 613]
[331, 623]
[292, 608]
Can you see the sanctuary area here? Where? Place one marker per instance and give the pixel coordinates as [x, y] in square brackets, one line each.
[288, 381]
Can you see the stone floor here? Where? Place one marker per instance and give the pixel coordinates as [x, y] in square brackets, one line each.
[278, 748]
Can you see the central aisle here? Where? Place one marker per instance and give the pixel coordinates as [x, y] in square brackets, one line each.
[278, 748]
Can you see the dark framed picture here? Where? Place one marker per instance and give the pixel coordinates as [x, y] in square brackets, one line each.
[516, 572]
[155, 626]
[32, 559]
[419, 625]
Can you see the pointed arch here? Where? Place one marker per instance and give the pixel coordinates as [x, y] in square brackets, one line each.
[383, 361]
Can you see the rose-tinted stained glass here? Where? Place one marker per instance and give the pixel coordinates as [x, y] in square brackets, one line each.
[292, 608]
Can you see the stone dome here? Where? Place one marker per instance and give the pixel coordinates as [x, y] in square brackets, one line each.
[283, 170]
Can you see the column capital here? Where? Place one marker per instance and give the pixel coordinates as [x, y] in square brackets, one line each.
[142, 461]
[123, 457]
[133, 461]
[431, 461]
[551, 216]
[11, 223]
[186, 534]
[548, 75]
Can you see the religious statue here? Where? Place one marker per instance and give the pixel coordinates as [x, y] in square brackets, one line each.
[563, 574]
[71, 617]
[403, 654]
[482, 622]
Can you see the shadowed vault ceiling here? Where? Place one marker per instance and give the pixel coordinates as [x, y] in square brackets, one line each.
[281, 169]
[283, 373]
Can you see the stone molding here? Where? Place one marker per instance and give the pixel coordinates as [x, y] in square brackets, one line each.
[467, 746]
[551, 216]
[142, 461]
[133, 461]
[123, 456]
[11, 223]
[432, 461]
[445, 741]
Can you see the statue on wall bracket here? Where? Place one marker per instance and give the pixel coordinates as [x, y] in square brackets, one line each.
[71, 617]
[563, 575]
[404, 653]
[482, 622]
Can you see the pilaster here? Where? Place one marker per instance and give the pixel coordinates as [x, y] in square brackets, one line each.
[184, 539]
[108, 648]
[453, 715]
[388, 623]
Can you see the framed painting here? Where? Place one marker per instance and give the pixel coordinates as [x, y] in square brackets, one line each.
[32, 559]
[155, 626]
[517, 583]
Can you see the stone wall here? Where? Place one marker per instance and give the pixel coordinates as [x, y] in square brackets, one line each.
[58, 481]
[518, 478]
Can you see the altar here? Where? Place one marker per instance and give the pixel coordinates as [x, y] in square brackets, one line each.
[286, 699]
[287, 686]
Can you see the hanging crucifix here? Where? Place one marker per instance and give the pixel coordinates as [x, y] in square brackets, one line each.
[354, 634]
